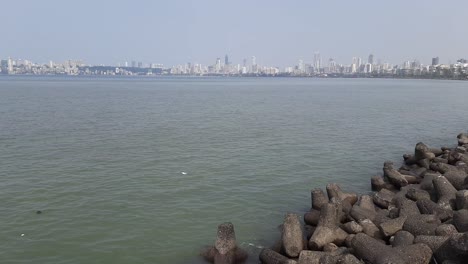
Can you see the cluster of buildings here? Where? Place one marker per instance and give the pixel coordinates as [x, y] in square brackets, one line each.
[372, 68]
[226, 67]
[317, 68]
[21, 67]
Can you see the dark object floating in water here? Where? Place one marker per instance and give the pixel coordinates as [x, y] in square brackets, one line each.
[39, 212]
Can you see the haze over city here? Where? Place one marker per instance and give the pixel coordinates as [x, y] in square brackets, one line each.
[176, 32]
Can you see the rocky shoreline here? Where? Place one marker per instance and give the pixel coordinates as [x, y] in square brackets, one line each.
[417, 213]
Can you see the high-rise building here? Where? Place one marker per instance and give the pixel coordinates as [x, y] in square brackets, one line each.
[355, 65]
[218, 65]
[10, 65]
[226, 60]
[331, 65]
[435, 61]
[4, 66]
[140, 64]
[370, 60]
[406, 65]
[300, 67]
[133, 64]
[254, 64]
[317, 62]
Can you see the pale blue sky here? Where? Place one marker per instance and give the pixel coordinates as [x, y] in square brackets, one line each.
[276, 32]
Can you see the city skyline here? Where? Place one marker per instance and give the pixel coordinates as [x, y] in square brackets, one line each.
[314, 60]
[173, 32]
[358, 67]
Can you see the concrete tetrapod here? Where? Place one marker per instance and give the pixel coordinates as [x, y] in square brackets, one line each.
[327, 230]
[225, 250]
[372, 251]
[462, 139]
[334, 191]
[318, 198]
[445, 191]
[455, 249]
[292, 236]
[268, 256]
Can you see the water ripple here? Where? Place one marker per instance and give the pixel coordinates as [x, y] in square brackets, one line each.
[102, 159]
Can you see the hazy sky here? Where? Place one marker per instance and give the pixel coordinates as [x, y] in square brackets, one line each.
[276, 32]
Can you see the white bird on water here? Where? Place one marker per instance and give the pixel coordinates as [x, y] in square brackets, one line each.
[184, 173]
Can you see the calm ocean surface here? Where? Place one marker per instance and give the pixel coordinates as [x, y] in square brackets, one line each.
[102, 158]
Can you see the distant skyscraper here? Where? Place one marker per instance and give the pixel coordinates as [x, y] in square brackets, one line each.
[359, 63]
[301, 66]
[435, 61]
[331, 65]
[10, 65]
[354, 65]
[245, 63]
[317, 62]
[406, 65]
[254, 64]
[133, 64]
[370, 59]
[226, 60]
[4, 65]
[218, 65]
[140, 64]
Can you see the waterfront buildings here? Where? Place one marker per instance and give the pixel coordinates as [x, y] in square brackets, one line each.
[407, 69]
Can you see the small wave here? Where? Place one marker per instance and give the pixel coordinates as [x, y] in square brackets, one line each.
[252, 245]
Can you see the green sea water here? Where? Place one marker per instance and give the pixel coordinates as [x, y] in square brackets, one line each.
[140, 170]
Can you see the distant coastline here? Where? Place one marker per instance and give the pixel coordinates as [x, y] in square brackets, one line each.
[328, 76]
[358, 69]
